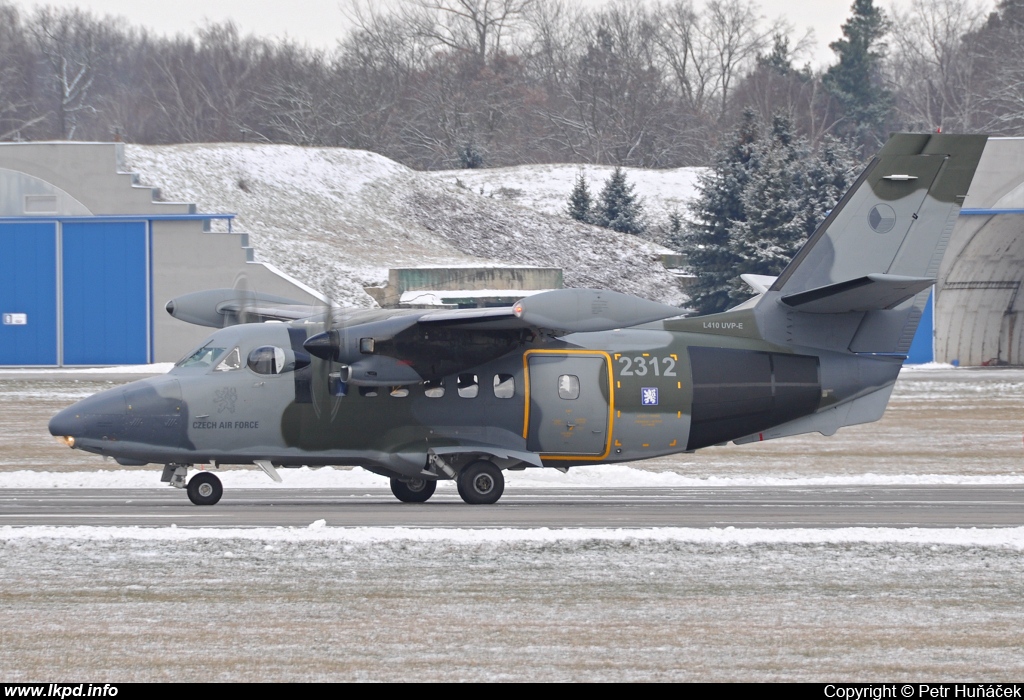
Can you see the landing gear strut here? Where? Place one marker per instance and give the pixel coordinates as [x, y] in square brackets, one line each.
[480, 482]
[413, 490]
[204, 489]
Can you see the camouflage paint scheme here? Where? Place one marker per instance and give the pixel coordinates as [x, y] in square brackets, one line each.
[818, 349]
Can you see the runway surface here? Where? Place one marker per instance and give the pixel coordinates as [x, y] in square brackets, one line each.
[741, 507]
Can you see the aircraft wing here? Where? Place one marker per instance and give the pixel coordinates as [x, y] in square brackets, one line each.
[405, 346]
[561, 311]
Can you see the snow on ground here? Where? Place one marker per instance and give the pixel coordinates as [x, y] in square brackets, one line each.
[337, 219]
[546, 188]
[318, 531]
[325, 604]
[148, 370]
[320, 603]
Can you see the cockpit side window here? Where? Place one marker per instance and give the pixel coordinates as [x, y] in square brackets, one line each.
[266, 360]
[231, 361]
[203, 357]
[269, 359]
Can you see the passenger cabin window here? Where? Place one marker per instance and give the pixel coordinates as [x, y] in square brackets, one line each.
[504, 386]
[469, 387]
[568, 387]
[232, 361]
[433, 389]
[367, 391]
[399, 392]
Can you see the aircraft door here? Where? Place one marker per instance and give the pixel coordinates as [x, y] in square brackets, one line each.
[569, 407]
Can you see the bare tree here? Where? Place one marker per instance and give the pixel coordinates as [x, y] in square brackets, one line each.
[17, 113]
[70, 43]
[475, 26]
[736, 35]
[687, 54]
[932, 65]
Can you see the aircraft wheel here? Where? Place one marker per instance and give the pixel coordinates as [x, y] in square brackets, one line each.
[481, 482]
[204, 489]
[414, 490]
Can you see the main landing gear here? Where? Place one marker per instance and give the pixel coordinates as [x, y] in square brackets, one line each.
[413, 490]
[479, 483]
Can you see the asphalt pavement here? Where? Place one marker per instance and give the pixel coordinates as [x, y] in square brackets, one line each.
[606, 507]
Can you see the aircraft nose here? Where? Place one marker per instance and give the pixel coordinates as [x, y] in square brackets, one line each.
[65, 423]
[78, 420]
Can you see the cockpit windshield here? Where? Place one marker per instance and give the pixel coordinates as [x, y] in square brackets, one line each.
[203, 357]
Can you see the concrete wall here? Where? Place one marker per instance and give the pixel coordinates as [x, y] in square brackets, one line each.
[188, 259]
[979, 314]
[85, 179]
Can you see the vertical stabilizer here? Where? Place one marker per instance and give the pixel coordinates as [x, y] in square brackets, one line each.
[872, 259]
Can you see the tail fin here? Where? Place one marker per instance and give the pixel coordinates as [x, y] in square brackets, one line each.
[882, 245]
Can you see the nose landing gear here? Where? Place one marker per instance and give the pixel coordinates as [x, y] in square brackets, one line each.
[204, 489]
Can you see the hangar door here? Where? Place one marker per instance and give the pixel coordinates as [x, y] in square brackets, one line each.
[28, 294]
[79, 295]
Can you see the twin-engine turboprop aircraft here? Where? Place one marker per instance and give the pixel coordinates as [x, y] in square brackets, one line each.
[561, 379]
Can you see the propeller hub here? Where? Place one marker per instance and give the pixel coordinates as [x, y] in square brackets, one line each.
[323, 345]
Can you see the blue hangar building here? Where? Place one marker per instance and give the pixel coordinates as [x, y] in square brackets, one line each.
[89, 259]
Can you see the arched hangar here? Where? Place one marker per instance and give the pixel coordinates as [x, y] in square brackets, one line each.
[978, 307]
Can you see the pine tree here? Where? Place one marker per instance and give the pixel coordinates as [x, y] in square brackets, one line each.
[718, 206]
[856, 82]
[618, 206]
[580, 203]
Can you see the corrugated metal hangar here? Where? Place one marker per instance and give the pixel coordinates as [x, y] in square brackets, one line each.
[88, 260]
[979, 313]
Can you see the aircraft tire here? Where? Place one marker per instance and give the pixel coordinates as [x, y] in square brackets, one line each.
[414, 491]
[204, 489]
[480, 483]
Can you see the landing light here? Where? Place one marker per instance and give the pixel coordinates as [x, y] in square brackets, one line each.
[66, 439]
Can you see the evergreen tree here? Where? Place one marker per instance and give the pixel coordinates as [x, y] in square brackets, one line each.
[719, 204]
[470, 157]
[761, 200]
[618, 207]
[856, 82]
[674, 234]
[825, 179]
[580, 203]
[774, 225]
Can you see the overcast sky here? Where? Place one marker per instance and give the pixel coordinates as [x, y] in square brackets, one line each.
[320, 23]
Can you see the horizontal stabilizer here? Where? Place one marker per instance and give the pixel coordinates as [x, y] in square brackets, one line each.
[759, 283]
[869, 293]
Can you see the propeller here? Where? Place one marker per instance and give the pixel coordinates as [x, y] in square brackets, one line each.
[329, 384]
[245, 298]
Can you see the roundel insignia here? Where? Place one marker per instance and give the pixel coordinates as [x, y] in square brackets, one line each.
[882, 218]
